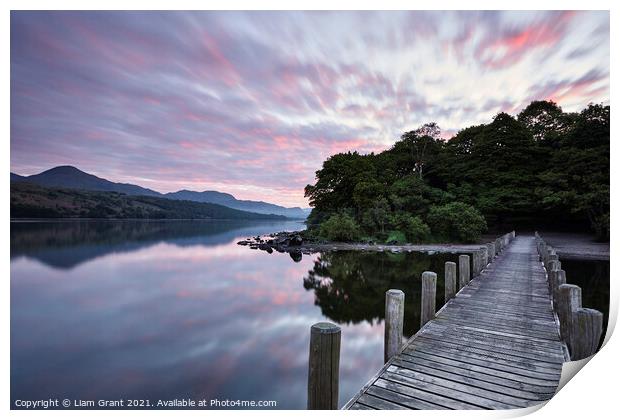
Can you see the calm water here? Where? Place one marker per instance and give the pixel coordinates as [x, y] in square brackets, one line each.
[593, 278]
[150, 310]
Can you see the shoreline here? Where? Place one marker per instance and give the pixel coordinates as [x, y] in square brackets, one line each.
[293, 242]
[343, 246]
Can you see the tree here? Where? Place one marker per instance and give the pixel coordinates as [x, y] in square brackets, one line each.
[544, 169]
[420, 143]
[457, 221]
[546, 121]
[340, 227]
[576, 180]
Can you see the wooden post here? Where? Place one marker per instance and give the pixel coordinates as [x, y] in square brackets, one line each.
[323, 366]
[475, 264]
[545, 254]
[569, 301]
[450, 280]
[394, 317]
[491, 252]
[551, 276]
[586, 334]
[560, 279]
[484, 258]
[555, 276]
[552, 264]
[429, 291]
[551, 256]
[542, 250]
[464, 274]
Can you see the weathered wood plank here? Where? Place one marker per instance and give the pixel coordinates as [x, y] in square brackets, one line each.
[402, 399]
[358, 406]
[494, 345]
[490, 354]
[422, 395]
[379, 404]
[476, 397]
[516, 349]
[471, 367]
[503, 366]
[480, 380]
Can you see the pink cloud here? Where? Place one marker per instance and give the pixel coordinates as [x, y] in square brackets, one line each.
[503, 49]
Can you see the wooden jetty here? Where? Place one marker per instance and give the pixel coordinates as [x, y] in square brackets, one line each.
[498, 343]
[495, 345]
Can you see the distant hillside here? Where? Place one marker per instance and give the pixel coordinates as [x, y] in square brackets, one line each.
[72, 177]
[230, 201]
[17, 178]
[33, 201]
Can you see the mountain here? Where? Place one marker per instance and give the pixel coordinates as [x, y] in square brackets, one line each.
[229, 200]
[72, 177]
[29, 200]
[17, 178]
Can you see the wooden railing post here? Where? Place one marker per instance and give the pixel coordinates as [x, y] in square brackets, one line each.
[568, 302]
[586, 333]
[464, 271]
[551, 275]
[394, 318]
[551, 256]
[323, 366]
[553, 264]
[475, 264]
[541, 250]
[450, 280]
[490, 252]
[484, 258]
[560, 280]
[429, 291]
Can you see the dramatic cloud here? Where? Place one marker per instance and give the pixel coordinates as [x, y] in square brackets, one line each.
[252, 103]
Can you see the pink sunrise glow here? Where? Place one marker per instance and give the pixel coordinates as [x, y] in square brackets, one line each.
[251, 103]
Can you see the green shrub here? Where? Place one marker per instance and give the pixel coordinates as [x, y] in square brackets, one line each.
[456, 221]
[396, 237]
[340, 227]
[412, 226]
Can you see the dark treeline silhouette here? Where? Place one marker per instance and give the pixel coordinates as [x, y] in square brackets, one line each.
[546, 168]
[34, 201]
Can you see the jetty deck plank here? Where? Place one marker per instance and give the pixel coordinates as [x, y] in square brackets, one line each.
[495, 345]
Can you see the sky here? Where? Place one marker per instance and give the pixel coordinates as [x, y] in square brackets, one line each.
[252, 103]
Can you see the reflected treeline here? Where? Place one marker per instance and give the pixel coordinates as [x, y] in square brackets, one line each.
[350, 286]
[65, 244]
[593, 278]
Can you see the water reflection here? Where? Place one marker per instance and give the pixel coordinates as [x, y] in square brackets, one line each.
[107, 310]
[66, 244]
[350, 286]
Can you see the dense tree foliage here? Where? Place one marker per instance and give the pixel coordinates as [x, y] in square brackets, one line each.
[543, 169]
[339, 227]
[34, 201]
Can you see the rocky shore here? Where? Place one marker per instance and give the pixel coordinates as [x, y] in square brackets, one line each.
[296, 245]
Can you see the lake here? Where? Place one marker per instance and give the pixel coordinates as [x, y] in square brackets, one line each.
[176, 309]
[125, 309]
